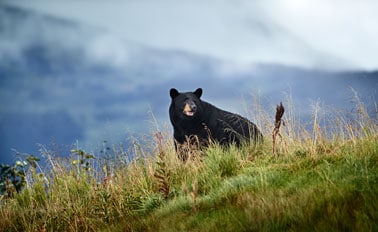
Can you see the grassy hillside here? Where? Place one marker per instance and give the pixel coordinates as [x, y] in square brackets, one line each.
[322, 178]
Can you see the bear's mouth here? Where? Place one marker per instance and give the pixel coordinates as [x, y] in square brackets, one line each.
[189, 111]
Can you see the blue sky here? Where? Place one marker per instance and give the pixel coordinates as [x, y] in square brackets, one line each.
[332, 34]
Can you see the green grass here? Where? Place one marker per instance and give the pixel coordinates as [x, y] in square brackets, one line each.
[321, 192]
[318, 181]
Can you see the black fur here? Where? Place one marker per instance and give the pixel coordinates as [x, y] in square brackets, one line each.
[193, 118]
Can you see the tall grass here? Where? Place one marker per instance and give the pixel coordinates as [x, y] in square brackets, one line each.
[324, 177]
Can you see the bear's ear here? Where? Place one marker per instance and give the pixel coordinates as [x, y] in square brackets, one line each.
[198, 92]
[174, 93]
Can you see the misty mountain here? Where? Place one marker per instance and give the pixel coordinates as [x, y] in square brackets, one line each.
[62, 82]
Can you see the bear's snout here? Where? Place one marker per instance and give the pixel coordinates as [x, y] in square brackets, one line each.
[189, 108]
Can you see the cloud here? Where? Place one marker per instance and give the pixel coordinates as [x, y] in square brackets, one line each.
[344, 28]
[108, 49]
[310, 33]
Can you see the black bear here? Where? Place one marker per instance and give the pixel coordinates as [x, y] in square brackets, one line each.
[196, 121]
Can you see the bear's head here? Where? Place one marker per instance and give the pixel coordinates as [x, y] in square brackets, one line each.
[186, 105]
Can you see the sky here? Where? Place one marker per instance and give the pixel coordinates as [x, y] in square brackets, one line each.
[332, 34]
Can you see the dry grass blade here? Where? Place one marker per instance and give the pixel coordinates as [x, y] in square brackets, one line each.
[162, 173]
[280, 110]
[194, 195]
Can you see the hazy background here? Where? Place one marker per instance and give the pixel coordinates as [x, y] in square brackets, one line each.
[89, 71]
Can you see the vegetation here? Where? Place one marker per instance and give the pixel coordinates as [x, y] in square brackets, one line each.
[323, 176]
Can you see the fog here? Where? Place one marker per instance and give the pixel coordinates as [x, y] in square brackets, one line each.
[312, 33]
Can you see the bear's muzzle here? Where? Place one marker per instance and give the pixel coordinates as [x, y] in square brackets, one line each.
[190, 109]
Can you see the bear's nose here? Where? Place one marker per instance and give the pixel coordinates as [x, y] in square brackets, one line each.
[193, 107]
